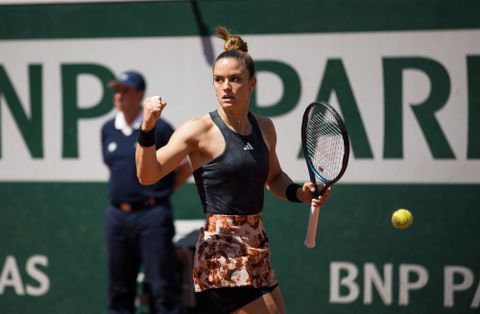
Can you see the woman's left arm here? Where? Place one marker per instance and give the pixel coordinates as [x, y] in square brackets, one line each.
[278, 180]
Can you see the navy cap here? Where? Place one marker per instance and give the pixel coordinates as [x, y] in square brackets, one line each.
[130, 78]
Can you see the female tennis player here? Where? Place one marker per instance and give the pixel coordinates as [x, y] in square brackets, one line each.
[232, 157]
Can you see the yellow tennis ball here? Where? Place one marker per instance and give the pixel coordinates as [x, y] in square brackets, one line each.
[402, 218]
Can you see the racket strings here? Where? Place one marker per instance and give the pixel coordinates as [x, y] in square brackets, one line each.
[325, 144]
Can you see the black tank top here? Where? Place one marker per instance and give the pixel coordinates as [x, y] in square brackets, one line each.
[233, 183]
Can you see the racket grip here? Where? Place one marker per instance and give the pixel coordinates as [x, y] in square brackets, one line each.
[312, 227]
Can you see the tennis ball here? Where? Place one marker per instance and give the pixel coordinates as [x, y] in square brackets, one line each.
[402, 218]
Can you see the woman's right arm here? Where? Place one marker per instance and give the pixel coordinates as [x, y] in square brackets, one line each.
[153, 165]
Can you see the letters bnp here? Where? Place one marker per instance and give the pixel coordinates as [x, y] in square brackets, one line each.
[346, 284]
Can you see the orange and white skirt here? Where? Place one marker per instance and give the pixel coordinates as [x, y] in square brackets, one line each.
[232, 251]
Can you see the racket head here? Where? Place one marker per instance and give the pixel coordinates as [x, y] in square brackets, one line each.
[325, 143]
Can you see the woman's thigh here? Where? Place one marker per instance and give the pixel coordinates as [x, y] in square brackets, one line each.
[269, 303]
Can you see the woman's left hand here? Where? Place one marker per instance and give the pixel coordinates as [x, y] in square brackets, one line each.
[306, 194]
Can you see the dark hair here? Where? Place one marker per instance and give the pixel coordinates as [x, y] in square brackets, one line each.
[235, 47]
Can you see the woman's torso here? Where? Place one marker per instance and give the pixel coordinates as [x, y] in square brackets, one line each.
[232, 180]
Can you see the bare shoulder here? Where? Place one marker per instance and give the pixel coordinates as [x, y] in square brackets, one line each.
[203, 138]
[268, 130]
[194, 127]
[265, 123]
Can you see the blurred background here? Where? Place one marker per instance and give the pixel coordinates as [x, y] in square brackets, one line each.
[405, 75]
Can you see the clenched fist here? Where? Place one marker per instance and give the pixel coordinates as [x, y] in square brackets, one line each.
[152, 108]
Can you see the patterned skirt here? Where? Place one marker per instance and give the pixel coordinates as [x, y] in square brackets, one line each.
[232, 251]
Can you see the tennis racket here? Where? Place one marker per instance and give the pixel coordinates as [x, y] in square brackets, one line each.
[326, 149]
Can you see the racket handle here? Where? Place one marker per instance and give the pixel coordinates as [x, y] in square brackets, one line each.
[312, 227]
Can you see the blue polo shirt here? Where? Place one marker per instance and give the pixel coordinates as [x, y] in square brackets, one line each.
[118, 148]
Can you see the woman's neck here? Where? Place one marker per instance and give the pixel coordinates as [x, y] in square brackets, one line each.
[236, 120]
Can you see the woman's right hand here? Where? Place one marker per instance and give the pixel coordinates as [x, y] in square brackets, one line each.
[152, 108]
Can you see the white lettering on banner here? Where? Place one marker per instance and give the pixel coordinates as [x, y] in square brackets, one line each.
[347, 282]
[344, 275]
[40, 277]
[476, 298]
[406, 285]
[384, 287]
[10, 276]
[450, 287]
[182, 60]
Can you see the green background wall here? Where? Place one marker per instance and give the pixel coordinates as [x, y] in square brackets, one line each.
[64, 220]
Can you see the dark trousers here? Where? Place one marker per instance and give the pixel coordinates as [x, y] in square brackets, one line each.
[141, 237]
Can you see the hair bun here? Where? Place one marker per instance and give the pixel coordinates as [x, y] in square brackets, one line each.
[232, 42]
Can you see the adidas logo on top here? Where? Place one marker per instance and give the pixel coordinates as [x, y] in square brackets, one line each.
[248, 146]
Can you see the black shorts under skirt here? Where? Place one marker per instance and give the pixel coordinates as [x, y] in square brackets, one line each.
[230, 299]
